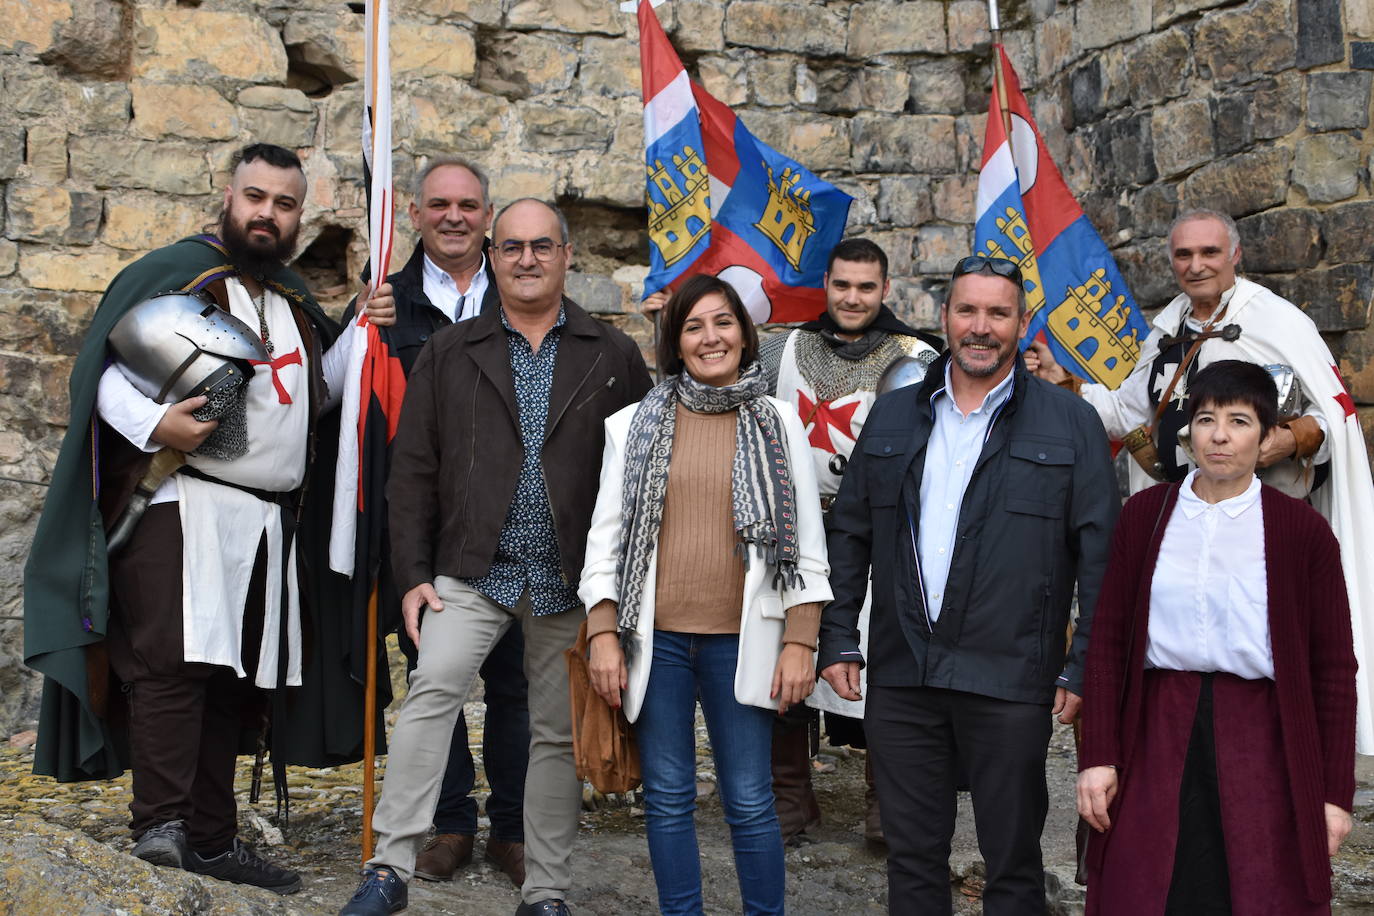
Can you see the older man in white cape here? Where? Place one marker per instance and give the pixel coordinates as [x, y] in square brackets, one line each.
[1198, 328]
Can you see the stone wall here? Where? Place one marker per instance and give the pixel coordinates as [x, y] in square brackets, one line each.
[121, 117]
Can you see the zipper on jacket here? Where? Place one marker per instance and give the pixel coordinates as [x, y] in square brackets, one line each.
[588, 399]
[548, 427]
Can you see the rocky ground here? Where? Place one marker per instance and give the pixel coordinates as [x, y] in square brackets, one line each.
[63, 850]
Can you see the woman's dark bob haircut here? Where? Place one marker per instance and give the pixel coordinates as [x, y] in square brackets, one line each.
[1234, 381]
[680, 305]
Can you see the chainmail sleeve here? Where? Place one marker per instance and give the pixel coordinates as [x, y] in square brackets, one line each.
[770, 356]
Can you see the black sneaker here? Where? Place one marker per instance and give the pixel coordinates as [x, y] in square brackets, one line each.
[242, 865]
[164, 844]
[550, 907]
[382, 892]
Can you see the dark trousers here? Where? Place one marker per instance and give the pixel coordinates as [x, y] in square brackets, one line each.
[919, 737]
[1201, 884]
[505, 748]
[185, 718]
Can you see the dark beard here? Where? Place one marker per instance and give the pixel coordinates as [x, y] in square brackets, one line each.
[252, 258]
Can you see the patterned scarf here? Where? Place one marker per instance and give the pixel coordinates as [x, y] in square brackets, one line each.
[762, 499]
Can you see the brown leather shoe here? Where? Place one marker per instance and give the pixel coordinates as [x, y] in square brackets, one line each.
[444, 854]
[510, 858]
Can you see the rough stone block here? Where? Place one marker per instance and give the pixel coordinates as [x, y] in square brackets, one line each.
[596, 293]
[1359, 18]
[610, 67]
[914, 143]
[172, 43]
[1086, 103]
[481, 12]
[32, 24]
[1326, 167]
[877, 27]
[425, 50]
[333, 41]
[568, 16]
[1145, 267]
[1159, 67]
[967, 21]
[1107, 22]
[454, 118]
[954, 198]
[1104, 210]
[1278, 240]
[819, 142]
[141, 222]
[90, 270]
[1124, 150]
[939, 247]
[1277, 106]
[871, 88]
[1362, 55]
[1167, 11]
[12, 143]
[182, 110]
[47, 153]
[726, 78]
[1264, 29]
[1320, 39]
[43, 213]
[771, 79]
[1240, 185]
[937, 86]
[1355, 354]
[116, 162]
[806, 28]
[1338, 101]
[1336, 299]
[1349, 232]
[272, 114]
[516, 180]
[805, 82]
[1054, 46]
[1235, 122]
[904, 200]
[1154, 209]
[9, 257]
[899, 245]
[564, 128]
[1182, 133]
[864, 210]
[699, 25]
[80, 106]
[536, 63]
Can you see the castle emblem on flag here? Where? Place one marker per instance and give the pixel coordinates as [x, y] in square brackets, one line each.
[679, 204]
[787, 219]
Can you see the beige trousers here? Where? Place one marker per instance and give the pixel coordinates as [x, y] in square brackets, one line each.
[453, 644]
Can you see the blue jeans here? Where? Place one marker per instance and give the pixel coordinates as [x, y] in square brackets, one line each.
[505, 748]
[687, 668]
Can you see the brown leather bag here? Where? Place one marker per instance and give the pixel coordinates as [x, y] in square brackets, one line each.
[603, 744]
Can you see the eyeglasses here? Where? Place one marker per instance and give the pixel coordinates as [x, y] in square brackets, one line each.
[543, 249]
[978, 263]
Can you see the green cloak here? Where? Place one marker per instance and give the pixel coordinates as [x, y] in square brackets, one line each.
[66, 583]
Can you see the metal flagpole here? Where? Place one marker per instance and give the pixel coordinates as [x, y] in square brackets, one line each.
[999, 84]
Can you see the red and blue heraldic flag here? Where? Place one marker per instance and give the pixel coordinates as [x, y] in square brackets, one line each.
[720, 202]
[1078, 301]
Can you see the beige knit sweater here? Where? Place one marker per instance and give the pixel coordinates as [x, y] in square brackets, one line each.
[700, 577]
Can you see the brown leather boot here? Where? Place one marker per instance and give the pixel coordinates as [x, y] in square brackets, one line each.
[793, 797]
[444, 854]
[510, 858]
[873, 823]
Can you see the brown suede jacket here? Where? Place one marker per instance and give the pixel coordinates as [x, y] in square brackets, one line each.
[457, 453]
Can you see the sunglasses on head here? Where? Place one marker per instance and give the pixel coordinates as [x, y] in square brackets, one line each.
[978, 263]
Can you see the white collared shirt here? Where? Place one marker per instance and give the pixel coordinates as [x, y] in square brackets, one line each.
[956, 441]
[1209, 602]
[442, 291]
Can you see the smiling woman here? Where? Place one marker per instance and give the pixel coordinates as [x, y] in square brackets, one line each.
[705, 575]
[1219, 716]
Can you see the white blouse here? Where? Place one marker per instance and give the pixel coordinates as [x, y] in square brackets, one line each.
[1209, 603]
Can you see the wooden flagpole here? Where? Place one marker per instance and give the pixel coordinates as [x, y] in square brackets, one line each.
[370, 726]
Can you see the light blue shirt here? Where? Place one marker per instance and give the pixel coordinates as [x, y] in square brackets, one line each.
[956, 441]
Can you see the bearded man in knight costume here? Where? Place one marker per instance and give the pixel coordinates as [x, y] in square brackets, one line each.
[832, 369]
[157, 640]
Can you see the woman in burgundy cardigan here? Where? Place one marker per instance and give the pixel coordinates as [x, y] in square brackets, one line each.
[1218, 755]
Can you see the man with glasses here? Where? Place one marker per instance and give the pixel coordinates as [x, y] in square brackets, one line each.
[449, 278]
[493, 479]
[977, 500]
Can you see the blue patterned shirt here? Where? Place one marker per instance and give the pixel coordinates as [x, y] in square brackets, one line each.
[527, 550]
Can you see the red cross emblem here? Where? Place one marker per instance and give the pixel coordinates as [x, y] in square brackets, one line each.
[290, 359]
[824, 416]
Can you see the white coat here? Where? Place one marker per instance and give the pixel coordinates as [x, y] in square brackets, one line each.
[763, 611]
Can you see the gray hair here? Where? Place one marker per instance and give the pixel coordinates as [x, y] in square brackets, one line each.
[1197, 213]
[562, 220]
[417, 187]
